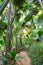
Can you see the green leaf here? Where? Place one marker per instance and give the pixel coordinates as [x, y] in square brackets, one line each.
[1, 2]
[28, 17]
[18, 3]
[1, 41]
[5, 58]
[40, 33]
[1, 33]
[13, 54]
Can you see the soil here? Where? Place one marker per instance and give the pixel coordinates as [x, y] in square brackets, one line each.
[25, 58]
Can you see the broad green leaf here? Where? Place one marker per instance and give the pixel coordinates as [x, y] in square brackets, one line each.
[1, 41]
[13, 54]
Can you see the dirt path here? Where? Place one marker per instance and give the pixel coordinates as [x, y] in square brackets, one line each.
[25, 59]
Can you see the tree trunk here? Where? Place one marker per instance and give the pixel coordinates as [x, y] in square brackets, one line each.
[9, 34]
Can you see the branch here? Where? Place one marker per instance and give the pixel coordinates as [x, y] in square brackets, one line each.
[4, 4]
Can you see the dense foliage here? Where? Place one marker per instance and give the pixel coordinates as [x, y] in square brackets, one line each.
[26, 29]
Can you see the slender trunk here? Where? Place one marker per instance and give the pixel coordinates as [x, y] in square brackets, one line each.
[9, 33]
[9, 30]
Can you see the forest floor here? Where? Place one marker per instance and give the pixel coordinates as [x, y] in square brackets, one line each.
[25, 58]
